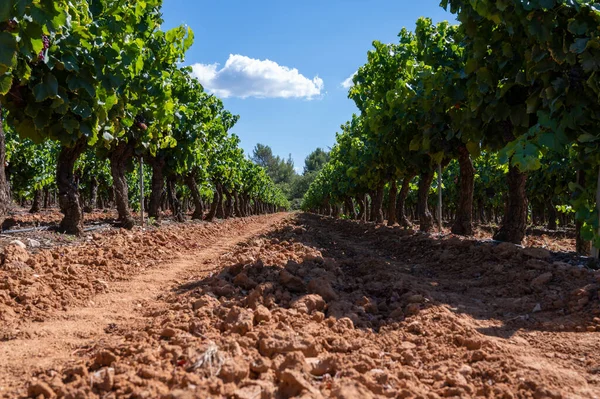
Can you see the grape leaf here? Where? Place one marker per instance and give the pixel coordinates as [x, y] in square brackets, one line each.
[48, 88]
[8, 48]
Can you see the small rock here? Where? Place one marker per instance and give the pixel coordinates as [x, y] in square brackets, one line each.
[541, 280]
[15, 253]
[397, 314]
[248, 392]
[318, 316]
[473, 344]
[415, 327]
[322, 287]
[104, 379]
[239, 320]
[537, 308]
[416, 299]
[40, 388]
[538, 253]
[168, 332]
[413, 309]
[506, 248]
[18, 244]
[293, 384]
[260, 365]
[242, 280]
[33, 243]
[178, 394]
[291, 282]
[234, 370]
[321, 367]
[79, 370]
[310, 302]
[104, 359]
[261, 314]
[206, 301]
[351, 391]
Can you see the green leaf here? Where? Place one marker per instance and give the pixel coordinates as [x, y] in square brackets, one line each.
[26, 129]
[590, 61]
[189, 40]
[579, 45]
[5, 10]
[76, 82]
[587, 138]
[139, 64]
[415, 144]
[519, 117]
[577, 27]
[71, 125]
[474, 149]
[48, 88]
[8, 48]
[5, 83]
[37, 44]
[70, 63]
[82, 109]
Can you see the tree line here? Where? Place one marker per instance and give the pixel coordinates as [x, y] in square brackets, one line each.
[89, 88]
[504, 104]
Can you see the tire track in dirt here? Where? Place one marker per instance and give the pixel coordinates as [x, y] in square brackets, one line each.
[56, 342]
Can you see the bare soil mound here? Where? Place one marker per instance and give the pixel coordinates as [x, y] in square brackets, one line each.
[318, 307]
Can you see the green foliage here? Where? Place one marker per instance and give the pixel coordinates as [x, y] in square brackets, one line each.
[516, 83]
[104, 72]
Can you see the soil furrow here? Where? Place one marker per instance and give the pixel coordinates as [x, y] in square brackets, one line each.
[53, 343]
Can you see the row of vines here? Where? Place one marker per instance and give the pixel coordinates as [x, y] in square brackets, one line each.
[89, 89]
[505, 103]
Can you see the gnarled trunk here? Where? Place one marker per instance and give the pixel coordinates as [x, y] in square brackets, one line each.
[236, 205]
[190, 181]
[362, 208]
[5, 200]
[173, 200]
[213, 207]
[37, 202]
[220, 209]
[392, 203]
[463, 223]
[118, 165]
[425, 217]
[349, 205]
[551, 215]
[93, 201]
[68, 193]
[157, 186]
[515, 220]
[582, 246]
[46, 197]
[401, 201]
[228, 204]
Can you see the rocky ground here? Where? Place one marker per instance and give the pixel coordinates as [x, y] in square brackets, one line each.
[295, 305]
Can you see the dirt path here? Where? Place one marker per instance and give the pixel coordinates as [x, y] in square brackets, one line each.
[312, 307]
[53, 343]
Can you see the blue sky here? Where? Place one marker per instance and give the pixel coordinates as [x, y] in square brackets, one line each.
[325, 41]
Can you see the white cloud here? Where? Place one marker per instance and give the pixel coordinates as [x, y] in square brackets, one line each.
[248, 77]
[348, 83]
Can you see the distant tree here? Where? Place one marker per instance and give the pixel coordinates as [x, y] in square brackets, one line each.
[315, 161]
[280, 170]
[262, 155]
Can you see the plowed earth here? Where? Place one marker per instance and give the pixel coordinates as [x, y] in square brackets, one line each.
[295, 305]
